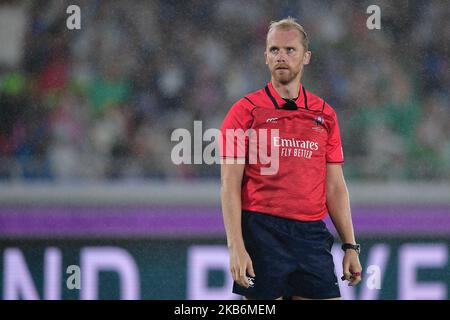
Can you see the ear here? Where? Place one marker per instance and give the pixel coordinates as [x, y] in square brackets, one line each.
[307, 57]
[265, 56]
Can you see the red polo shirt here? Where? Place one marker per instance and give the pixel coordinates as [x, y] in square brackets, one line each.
[285, 152]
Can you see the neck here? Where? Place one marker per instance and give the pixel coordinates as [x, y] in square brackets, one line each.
[287, 91]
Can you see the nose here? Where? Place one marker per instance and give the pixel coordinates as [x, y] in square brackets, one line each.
[281, 56]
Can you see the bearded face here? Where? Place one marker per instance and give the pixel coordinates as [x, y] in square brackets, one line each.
[285, 55]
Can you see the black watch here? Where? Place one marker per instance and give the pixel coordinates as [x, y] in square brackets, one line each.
[355, 247]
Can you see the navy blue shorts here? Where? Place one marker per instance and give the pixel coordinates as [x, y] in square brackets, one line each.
[290, 258]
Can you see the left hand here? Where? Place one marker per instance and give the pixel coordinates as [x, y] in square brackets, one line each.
[351, 267]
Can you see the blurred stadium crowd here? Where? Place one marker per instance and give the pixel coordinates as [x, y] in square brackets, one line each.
[102, 102]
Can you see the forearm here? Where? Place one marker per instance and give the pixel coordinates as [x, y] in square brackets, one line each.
[231, 209]
[338, 204]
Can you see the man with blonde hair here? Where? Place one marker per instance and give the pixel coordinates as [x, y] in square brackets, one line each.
[279, 245]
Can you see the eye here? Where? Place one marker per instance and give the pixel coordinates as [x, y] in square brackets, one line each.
[290, 50]
[273, 50]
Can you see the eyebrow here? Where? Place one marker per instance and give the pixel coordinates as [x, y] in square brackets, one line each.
[277, 47]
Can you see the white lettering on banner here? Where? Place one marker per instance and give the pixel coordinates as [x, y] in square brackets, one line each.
[415, 256]
[52, 274]
[17, 280]
[412, 279]
[96, 259]
[202, 259]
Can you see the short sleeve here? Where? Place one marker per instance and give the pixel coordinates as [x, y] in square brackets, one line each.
[334, 151]
[233, 140]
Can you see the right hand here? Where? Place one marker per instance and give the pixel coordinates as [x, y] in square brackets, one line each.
[241, 265]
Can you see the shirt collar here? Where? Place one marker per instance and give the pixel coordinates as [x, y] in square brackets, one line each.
[300, 101]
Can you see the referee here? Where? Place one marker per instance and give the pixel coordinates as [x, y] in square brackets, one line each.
[278, 243]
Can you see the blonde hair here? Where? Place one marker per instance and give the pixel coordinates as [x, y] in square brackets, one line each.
[287, 24]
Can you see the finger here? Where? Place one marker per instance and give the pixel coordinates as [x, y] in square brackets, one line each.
[346, 272]
[235, 274]
[232, 273]
[251, 271]
[355, 276]
[347, 276]
[240, 279]
[355, 280]
[236, 278]
[243, 278]
[243, 282]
